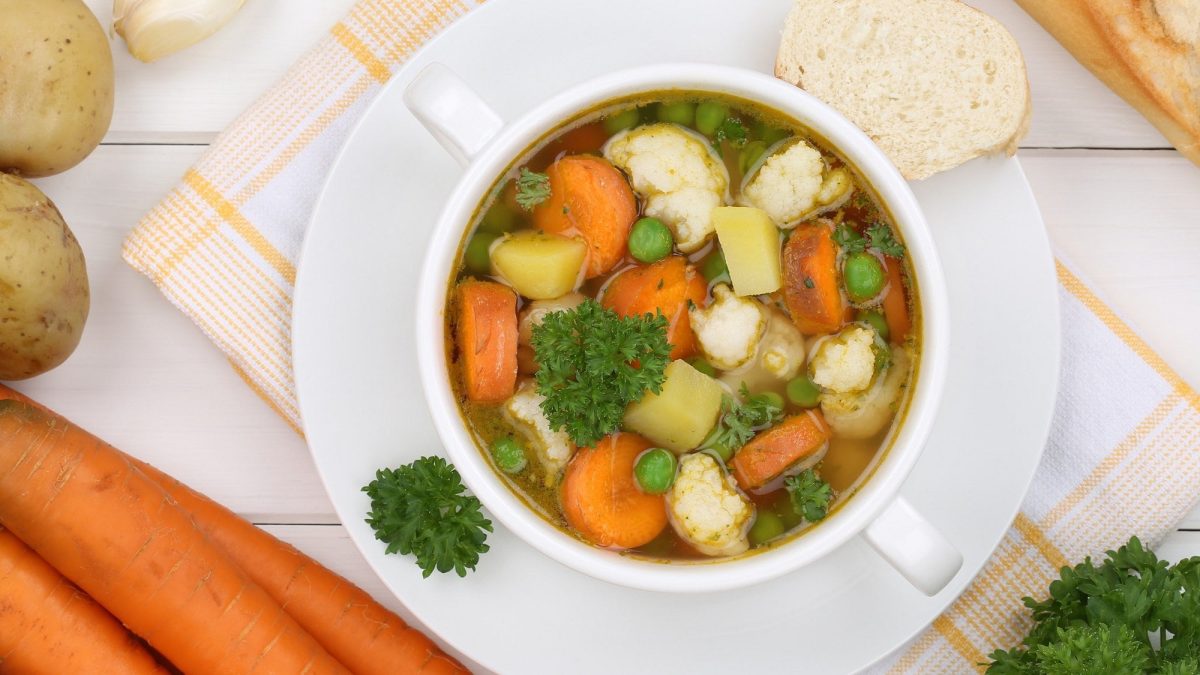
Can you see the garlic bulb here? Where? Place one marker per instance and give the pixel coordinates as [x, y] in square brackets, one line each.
[156, 28]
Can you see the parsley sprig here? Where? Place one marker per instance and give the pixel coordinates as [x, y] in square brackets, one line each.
[422, 509]
[533, 188]
[809, 494]
[740, 420]
[1133, 613]
[592, 363]
[879, 237]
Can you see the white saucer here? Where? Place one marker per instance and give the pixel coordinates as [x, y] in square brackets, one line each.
[523, 613]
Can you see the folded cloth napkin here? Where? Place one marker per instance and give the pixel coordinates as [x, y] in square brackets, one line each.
[1124, 452]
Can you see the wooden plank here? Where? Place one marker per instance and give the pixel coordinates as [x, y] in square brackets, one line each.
[190, 96]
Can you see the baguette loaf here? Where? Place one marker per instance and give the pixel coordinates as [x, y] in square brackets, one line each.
[1147, 51]
[933, 82]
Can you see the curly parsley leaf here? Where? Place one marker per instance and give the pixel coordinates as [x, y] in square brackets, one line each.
[732, 130]
[1098, 617]
[884, 240]
[740, 420]
[848, 238]
[592, 363]
[532, 188]
[422, 509]
[809, 494]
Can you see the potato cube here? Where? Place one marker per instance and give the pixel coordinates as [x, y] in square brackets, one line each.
[751, 245]
[682, 414]
[539, 266]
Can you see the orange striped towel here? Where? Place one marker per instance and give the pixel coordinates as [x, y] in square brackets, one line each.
[223, 247]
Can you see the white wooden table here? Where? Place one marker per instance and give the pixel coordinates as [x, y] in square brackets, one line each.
[1118, 201]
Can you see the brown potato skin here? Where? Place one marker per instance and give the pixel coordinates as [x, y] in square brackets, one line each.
[44, 295]
[56, 85]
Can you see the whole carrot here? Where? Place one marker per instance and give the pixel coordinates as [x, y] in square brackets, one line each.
[47, 625]
[365, 636]
[101, 523]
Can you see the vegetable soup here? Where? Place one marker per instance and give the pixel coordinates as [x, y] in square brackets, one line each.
[682, 327]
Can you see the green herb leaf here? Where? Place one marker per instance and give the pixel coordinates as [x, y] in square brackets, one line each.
[848, 239]
[532, 188]
[592, 363]
[732, 130]
[884, 241]
[422, 509]
[809, 494]
[739, 421]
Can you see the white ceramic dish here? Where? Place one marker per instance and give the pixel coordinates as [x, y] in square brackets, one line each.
[523, 613]
[473, 134]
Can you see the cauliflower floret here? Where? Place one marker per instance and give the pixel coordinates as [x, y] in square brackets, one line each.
[705, 507]
[781, 350]
[728, 329]
[864, 414]
[845, 362]
[795, 184]
[553, 448]
[674, 170]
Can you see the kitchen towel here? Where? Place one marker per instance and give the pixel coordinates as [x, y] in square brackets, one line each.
[1124, 451]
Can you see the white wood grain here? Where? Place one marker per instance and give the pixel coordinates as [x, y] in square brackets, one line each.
[190, 96]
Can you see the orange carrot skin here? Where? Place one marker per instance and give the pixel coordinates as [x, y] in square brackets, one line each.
[601, 499]
[101, 523]
[359, 632]
[771, 452]
[811, 286]
[48, 625]
[486, 330]
[666, 286]
[895, 305]
[590, 197]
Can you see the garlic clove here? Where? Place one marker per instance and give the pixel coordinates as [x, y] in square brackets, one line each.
[156, 28]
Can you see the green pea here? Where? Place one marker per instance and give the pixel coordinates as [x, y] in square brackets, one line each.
[703, 366]
[750, 154]
[626, 119]
[650, 240]
[499, 219]
[714, 266]
[766, 527]
[509, 454]
[709, 116]
[478, 257]
[803, 392]
[679, 112]
[769, 134]
[723, 451]
[875, 318]
[771, 397]
[863, 275]
[787, 512]
[655, 471]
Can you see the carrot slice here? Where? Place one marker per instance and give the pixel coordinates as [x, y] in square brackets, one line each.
[104, 525]
[810, 280]
[771, 452]
[47, 625]
[487, 340]
[666, 286]
[589, 197]
[581, 139]
[895, 305]
[601, 499]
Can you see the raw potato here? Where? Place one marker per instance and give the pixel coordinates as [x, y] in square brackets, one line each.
[539, 266]
[680, 416]
[44, 295]
[56, 85]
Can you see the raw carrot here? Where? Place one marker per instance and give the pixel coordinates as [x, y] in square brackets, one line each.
[810, 280]
[601, 498]
[116, 534]
[47, 625]
[359, 632]
[895, 305]
[771, 452]
[666, 286]
[589, 197]
[486, 329]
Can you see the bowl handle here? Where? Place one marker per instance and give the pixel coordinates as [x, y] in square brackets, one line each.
[914, 547]
[452, 112]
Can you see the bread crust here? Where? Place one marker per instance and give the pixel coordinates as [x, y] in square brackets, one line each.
[1089, 30]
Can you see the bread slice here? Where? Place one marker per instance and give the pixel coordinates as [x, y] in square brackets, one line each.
[1148, 52]
[934, 82]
